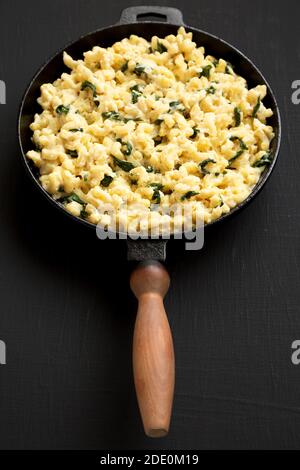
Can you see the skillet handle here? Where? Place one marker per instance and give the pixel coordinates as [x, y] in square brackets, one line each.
[153, 353]
[134, 14]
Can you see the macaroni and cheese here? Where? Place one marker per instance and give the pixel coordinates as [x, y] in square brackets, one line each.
[150, 124]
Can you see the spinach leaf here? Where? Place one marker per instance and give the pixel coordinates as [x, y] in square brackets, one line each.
[263, 161]
[156, 196]
[237, 116]
[112, 115]
[174, 104]
[149, 169]
[229, 68]
[126, 147]
[140, 69]
[177, 106]
[211, 90]
[106, 181]
[124, 66]
[203, 165]
[84, 214]
[237, 155]
[205, 71]
[72, 197]
[161, 48]
[256, 108]
[76, 130]
[135, 93]
[61, 109]
[188, 195]
[123, 164]
[72, 153]
[131, 119]
[86, 85]
[243, 147]
[195, 133]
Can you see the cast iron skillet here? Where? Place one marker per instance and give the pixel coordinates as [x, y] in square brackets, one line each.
[153, 356]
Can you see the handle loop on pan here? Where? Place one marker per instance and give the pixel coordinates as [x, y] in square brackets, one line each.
[143, 13]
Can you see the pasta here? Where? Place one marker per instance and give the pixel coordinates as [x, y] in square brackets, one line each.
[150, 125]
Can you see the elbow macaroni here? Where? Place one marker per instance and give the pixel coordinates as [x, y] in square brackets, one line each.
[150, 122]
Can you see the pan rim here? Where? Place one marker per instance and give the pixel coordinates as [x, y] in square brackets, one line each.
[257, 188]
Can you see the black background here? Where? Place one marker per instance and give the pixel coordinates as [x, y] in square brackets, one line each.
[67, 313]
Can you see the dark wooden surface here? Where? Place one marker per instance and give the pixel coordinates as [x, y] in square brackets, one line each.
[66, 309]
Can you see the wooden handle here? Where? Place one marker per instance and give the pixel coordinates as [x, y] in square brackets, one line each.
[153, 353]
